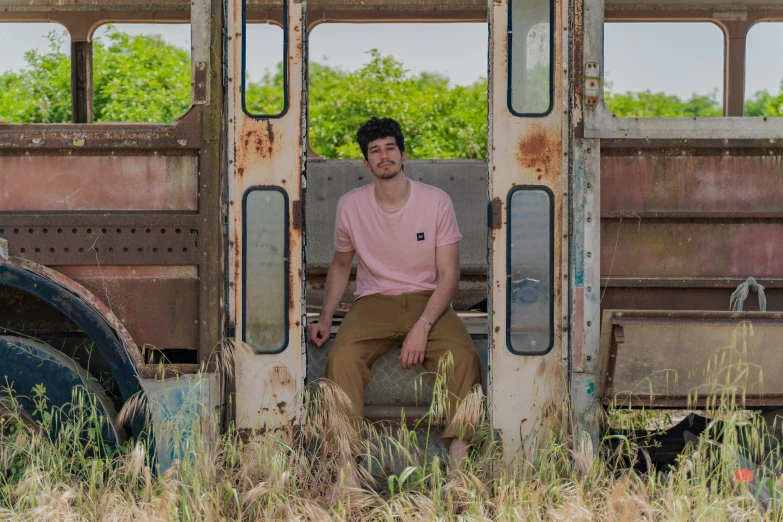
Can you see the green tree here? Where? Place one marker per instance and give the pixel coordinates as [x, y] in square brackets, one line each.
[41, 92]
[440, 120]
[762, 103]
[647, 104]
[139, 78]
[135, 78]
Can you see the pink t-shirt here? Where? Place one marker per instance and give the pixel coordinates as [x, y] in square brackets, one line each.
[396, 251]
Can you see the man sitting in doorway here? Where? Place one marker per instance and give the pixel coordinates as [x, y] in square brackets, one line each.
[407, 238]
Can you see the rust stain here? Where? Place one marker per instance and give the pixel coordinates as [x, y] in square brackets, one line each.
[541, 368]
[281, 406]
[540, 150]
[280, 376]
[296, 210]
[241, 171]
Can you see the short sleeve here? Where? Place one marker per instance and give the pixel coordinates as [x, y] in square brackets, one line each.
[447, 231]
[342, 234]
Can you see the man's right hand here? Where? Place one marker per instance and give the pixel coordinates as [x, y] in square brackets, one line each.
[319, 332]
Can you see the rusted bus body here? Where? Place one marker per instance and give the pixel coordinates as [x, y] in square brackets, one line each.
[219, 224]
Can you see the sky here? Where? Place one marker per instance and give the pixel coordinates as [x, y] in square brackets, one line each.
[676, 58]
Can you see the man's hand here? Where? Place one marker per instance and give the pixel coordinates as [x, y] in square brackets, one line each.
[415, 345]
[319, 332]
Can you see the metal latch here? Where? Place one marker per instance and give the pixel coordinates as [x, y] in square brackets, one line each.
[592, 79]
[495, 214]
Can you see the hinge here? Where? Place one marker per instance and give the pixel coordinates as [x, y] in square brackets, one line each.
[495, 214]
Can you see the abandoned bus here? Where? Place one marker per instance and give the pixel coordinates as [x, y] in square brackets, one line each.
[606, 247]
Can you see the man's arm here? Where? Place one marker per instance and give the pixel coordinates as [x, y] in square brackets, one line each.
[336, 281]
[415, 345]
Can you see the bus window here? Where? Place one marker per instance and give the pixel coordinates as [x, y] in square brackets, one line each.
[35, 72]
[265, 291]
[530, 57]
[433, 81]
[141, 72]
[764, 70]
[265, 72]
[663, 70]
[530, 270]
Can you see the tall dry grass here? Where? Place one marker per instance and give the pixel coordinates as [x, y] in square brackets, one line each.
[77, 476]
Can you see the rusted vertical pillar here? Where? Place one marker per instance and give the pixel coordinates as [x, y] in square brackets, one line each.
[734, 68]
[81, 81]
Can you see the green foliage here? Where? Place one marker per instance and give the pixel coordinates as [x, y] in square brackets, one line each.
[763, 103]
[139, 78]
[135, 78]
[439, 120]
[647, 104]
[40, 93]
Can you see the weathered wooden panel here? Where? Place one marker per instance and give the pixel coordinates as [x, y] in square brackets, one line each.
[696, 185]
[68, 183]
[655, 249]
[157, 304]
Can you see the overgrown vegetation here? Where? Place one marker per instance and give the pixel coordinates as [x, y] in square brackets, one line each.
[75, 476]
[145, 79]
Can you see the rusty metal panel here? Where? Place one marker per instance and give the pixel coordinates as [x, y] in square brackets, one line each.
[659, 358]
[267, 152]
[102, 245]
[524, 390]
[660, 249]
[86, 183]
[635, 298]
[157, 304]
[646, 182]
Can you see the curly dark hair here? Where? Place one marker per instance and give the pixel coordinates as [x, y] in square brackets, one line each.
[376, 128]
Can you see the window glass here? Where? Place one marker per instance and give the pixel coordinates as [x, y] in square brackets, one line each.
[141, 72]
[764, 70]
[530, 270]
[431, 77]
[663, 69]
[265, 291]
[530, 57]
[35, 73]
[265, 75]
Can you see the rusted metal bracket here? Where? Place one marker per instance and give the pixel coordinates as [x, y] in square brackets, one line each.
[495, 214]
[200, 25]
[592, 80]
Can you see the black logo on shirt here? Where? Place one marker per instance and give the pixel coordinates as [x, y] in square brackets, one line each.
[420, 236]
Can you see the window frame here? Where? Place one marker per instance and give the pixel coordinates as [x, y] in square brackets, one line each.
[551, 195]
[286, 265]
[285, 66]
[551, 64]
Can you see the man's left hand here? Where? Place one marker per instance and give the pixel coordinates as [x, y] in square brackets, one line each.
[415, 345]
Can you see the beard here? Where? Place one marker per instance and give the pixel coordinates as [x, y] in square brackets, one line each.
[386, 172]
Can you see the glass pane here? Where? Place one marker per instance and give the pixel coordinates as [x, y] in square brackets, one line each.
[530, 271]
[265, 73]
[530, 57]
[265, 265]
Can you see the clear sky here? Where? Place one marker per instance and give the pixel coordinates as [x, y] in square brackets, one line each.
[675, 58]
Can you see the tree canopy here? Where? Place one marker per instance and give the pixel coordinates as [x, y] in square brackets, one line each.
[145, 79]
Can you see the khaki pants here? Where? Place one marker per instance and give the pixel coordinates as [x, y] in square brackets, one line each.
[375, 323]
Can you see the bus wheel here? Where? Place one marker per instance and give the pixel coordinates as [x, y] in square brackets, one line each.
[29, 364]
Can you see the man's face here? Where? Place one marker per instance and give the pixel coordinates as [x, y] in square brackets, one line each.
[384, 159]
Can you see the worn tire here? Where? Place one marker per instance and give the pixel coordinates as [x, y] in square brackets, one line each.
[27, 363]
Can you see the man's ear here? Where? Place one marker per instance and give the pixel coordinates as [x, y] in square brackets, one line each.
[404, 158]
[366, 165]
